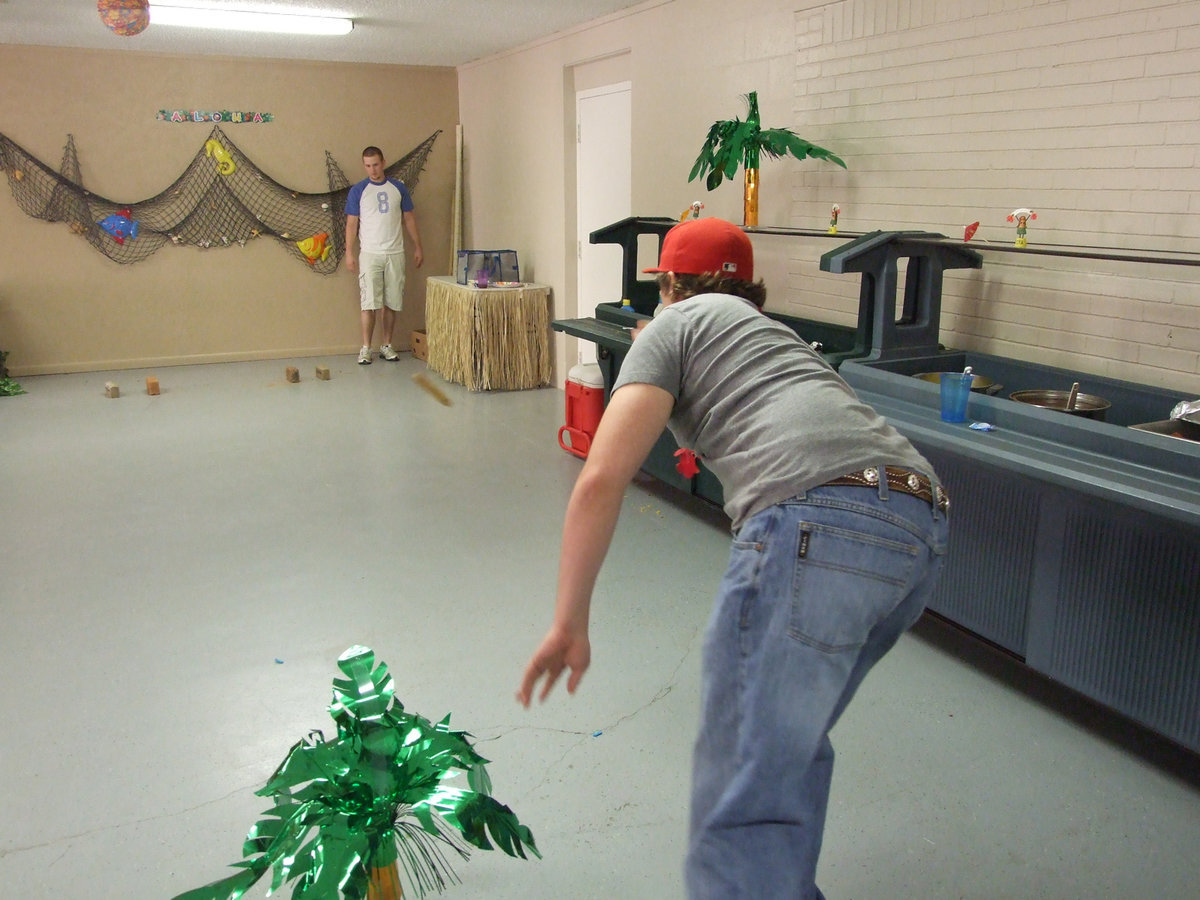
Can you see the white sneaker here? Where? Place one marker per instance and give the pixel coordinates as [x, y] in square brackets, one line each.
[386, 352]
[364, 356]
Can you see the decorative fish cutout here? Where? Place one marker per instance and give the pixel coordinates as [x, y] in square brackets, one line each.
[120, 226]
[315, 247]
[214, 148]
[969, 231]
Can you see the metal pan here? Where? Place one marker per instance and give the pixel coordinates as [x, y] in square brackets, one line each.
[1186, 419]
[1188, 427]
[1089, 406]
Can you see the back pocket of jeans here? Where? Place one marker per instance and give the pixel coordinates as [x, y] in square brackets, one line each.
[845, 582]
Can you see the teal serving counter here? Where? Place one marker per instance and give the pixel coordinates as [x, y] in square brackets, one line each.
[1081, 562]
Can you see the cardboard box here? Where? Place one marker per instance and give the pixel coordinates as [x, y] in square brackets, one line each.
[420, 345]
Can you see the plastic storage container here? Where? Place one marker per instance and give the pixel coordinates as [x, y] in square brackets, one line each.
[585, 406]
[497, 265]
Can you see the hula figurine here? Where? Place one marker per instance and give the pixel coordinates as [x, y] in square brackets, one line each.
[1022, 217]
[833, 216]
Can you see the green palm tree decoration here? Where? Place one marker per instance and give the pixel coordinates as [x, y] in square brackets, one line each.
[8, 387]
[373, 799]
[732, 143]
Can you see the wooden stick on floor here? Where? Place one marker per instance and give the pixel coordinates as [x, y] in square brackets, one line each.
[432, 389]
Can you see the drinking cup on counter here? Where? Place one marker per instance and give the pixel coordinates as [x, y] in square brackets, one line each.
[956, 390]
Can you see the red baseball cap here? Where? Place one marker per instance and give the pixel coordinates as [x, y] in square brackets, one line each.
[704, 246]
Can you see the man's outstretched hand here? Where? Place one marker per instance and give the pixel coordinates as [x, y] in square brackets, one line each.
[559, 650]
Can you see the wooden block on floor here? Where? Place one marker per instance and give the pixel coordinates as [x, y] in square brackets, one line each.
[323, 373]
[111, 389]
[152, 386]
[293, 375]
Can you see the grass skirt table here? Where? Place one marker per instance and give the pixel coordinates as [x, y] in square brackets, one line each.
[489, 339]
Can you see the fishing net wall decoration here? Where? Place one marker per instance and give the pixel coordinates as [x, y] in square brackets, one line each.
[222, 199]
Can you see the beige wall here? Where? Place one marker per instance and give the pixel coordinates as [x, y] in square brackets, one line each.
[66, 307]
[946, 114]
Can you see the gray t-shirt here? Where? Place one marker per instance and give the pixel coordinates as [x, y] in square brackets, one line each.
[764, 412]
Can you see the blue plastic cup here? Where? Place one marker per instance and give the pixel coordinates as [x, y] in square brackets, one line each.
[956, 390]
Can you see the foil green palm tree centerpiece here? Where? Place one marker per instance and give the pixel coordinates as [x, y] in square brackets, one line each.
[349, 812]
[732, 143]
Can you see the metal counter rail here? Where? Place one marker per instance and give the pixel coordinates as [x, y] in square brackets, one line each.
[1066, 251]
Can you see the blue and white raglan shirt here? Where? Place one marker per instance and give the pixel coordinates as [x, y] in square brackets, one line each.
[380, 207]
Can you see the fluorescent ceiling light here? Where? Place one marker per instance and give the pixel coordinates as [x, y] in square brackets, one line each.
[233, 20]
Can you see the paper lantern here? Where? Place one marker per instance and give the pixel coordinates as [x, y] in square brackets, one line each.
[124, 17]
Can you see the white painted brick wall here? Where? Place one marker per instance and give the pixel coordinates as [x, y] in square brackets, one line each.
[1087, 111]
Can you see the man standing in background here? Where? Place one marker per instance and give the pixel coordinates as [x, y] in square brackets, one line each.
[379, 210]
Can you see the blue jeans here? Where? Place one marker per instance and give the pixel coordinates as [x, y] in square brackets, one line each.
[817, 590]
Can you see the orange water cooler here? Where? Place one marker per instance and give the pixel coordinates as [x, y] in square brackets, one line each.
[585, 406]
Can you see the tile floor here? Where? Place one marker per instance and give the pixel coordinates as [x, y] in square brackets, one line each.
[181, 572]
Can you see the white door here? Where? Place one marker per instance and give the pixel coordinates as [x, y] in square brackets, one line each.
[603, 176]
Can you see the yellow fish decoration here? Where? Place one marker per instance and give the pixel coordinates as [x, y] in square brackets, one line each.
[315, 247]
[214, 148]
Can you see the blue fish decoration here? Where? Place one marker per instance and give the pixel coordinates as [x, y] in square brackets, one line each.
[120, 226]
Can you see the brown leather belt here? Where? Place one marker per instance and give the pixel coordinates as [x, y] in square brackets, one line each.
[901, 480]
